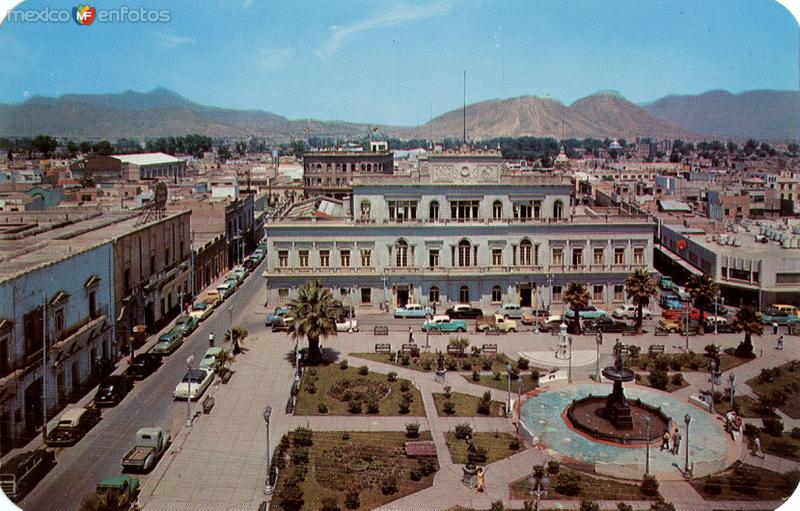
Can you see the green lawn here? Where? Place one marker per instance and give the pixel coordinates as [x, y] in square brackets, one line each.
[465, 405]
[671, 387]
[361, 462]
[591, 488]
[748, 407]
[498, 446]
[784, 445]
[767, 485]
[427, 361]
[683, 361]
[786, 383]
[488, 380]
[331, 376]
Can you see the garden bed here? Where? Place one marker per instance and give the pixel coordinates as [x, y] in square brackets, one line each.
[465, 405]
[748, 407]
[497, 446]
[745, 482]
[671, 386]
[585, 487]
[488, 380]
[682, 361]
[783, 384]
[427, 361]
[332, 390]
[373, 465]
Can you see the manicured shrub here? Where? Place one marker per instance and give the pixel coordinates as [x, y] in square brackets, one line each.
[783, 447]
[589, 505]
[405, 360]
[750, 430]
[621, 506]
[389, 485]
[773, 426]
[476, 376]
[303, 436]
[392, 376]
[486, 364]
[744, 480]
[322, 408]
[414, 352]
[462, 430]
[412, 430]
[343, 364]
[351, 500]
[538, 471]
[408, 396]
[427, 365]
[300, 456]
[452, 364]
[363, 370]
[634, 351]
[449, 407]
[497, 505]
[568, 483]
[466, 365]
[355, 406]
[404, 407]
[658, 379]
[553, 467]
[496, 376]
[523, 363]
[291, 497]
[427, 465]
[345, 436]
[405, 386]
[677, 379]
[414, 475]
[713, 486]
[373, 406]
[649, 485]
[448, 392]
[796, 433]
[514, 445]
[330, 504]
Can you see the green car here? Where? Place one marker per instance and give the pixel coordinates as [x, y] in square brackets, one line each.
[185, 325]
[168, 343]
[444, 324]
[123, 486]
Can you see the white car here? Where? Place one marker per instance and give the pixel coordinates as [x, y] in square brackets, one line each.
[629, 311]
[347, 325]
[200, 381]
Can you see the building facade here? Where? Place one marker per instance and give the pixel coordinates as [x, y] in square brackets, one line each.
[331, 172]
[461, 231]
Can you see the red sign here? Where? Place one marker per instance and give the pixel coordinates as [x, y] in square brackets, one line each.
[682, 244]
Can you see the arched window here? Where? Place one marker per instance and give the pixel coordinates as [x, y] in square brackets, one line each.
[497, 210]
[463, 294]
[401, 254]
[365, 209]
[497, 294]
[433, 210]
[433, 295]
[525, 251]
[558, 209]
[464, 253]
[369, 167]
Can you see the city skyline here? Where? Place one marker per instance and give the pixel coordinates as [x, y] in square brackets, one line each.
[353, 62]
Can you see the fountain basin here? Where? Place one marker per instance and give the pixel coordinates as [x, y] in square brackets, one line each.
[586, 416]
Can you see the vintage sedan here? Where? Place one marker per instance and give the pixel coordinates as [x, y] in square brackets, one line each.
[413, 310]
[168, 343]
[274, 316]
[604, 324]
[112, 390]
[73, 424]
[630, 311]
[588, 312]
[464, 311]
[282, 324]
[513, 310]
[201, 310]
[211, 358]
[185, 325]
[143, 365]
[529, 318]
[443, 323]
[551, 324]
[346, 325]
[194, 384]
[694, 315]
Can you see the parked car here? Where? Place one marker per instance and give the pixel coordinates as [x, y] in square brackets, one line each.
[464, 311]
[780, 314]
[629, 311]
[257, 255]
[226, 289]
[670, 301]
[665, 282]
[213, 297]
[412, 310]
[723, 325]
[694, 314]
[151, 444]
[122, 489]
[249, 263]
[281, 324]
[443, 323]
[168, 343]
[143, 365]
[672, 325]
[604, 324]
[185, 325]
[346, 324]
[587, 312]
[529, 318]
[198, 379]
[201, 310]
[496, 322]
[513, 311]
[211, 358]
[278, 313]
[241, 271]
[21, 473]
[73, 424]
[112, 390]
[720, 308]
[552, 323]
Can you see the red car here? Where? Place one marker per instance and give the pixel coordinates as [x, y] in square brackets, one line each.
[694, 315]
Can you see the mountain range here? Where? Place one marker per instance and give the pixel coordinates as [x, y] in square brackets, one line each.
[764, 115]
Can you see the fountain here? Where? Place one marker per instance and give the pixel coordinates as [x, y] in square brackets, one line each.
[613, 418]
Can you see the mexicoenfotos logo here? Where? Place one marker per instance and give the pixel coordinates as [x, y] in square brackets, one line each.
[84, 14]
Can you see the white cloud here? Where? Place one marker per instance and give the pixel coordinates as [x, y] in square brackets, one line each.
[271, 59]
[393, 17]
[170, 40]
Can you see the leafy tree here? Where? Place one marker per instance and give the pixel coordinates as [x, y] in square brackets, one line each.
[103, 148]
[105, 501]
[45, 145]
[749, 321]
[85, 147]
[640, 286]
[223, 153]
[703, 290]
[314, 310]
[577, 296]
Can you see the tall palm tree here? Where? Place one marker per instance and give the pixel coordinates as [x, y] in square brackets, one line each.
[314, 311]
[639, 287]
[577, 296]
[703, 290]
[749, 321]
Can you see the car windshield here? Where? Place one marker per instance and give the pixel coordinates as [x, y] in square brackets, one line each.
[200, 306]
[197, 376]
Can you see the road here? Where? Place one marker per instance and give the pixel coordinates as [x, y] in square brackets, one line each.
[99, 454]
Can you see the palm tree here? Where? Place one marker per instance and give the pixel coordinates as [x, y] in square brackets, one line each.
[640, 286]
[703, 290]
[749, 321]
[577, 296]
[314, 311]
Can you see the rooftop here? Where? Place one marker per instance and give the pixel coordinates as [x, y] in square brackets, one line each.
[147, 158]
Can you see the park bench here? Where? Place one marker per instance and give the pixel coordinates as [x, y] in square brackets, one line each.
[454, 350]
[408, 348]
[383, 347]
[489, 348]
[380, 330]
[655, 348]
[208, 404]
[630, 330]
[660, 331]
[493, 331]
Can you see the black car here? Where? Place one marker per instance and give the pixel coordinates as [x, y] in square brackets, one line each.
[143, 366]
[280, 325]
[605, 325]
[24, 471]
[112, 390]
[462, 312]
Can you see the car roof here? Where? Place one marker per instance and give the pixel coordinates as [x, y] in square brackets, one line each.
[216, 350]
[72, 414]
[117, 480]
[441, 317]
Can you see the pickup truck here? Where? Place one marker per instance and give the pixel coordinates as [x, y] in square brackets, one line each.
[496, 322]
[151, 444]
[124, 489]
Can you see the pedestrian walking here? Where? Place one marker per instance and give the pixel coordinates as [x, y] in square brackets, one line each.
[211, 340]
[434, 308]
[665, 441]
[410, 336]
[780, 343]
[774, 328]
[481, 480]
[757, 447]
[676, 441]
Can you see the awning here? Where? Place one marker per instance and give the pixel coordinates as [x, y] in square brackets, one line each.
[678, 260]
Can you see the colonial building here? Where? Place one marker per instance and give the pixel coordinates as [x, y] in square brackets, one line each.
[129, 167]
[459, 230]
[331, 172]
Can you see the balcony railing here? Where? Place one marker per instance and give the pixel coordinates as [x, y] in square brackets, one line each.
[458, 270]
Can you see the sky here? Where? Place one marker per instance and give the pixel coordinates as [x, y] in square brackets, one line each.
[400, 61]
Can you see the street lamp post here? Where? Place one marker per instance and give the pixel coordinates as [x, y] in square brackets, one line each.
[267, 484]
[716, 300]
[297, 351]
[732, 378]
[569, 370]
[686, 325]
[508, 404]
[230, 315]
[713, 381]
[687, 419]
[189, 363]
[647, 446]
[599, 340]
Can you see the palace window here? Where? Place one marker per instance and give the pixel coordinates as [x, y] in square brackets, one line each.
[619, 292]
[365, 209]
[303, 258]
[638, 256]
[344, 258]
[577, 257]
[402, 210]
[497, 257]
[556, 294]
[366, 258]
[283, 258]
[324, 258]
[433, 210]
[366, 295]
[433, 295]
[619, 256]
[464, 209]
[497, 294]
[523, 210]
[525, 251]
[598, 257]
[433, 258]
[497, 210]
[558, 257]
[464, 253]
[463, 294]
[558, 209]
[597, 293]
[401, 254]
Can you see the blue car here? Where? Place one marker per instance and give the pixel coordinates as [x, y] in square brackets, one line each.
[671, 302]
[413, 310]
[279, 313]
